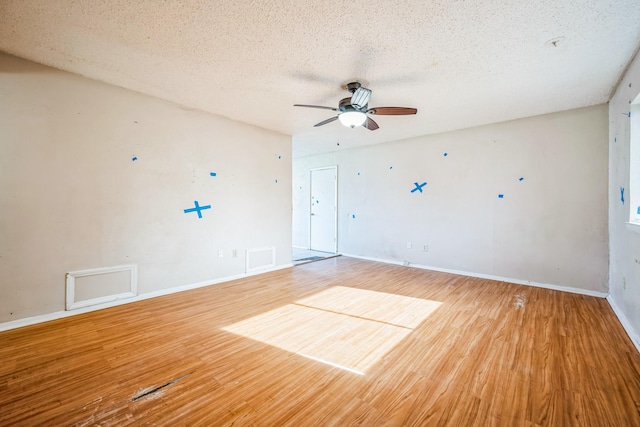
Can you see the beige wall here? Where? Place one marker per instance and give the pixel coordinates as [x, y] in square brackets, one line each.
[71, 198]
[549, 228]
[624, 271]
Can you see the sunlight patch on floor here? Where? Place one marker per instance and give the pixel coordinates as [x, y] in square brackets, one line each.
[348, 328]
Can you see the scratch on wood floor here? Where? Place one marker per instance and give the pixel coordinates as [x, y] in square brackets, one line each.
[520, 301]
[154, 392]
[91, 419]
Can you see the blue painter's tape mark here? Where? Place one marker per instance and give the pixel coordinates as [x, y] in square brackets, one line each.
[213, 173]
[445, 154]
[134, 158]
[418, 187]
[521, 179]
[390, 167]
[197, 209]
[638, 210]
[622, 195]
[279, 157]
[317, 201]
[615, 139]
[629, 114]
[354, 215]
[358, 173]
[276, 181]
[500, 196]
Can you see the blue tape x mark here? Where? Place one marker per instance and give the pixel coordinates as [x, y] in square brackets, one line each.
[198, 209]
[418, 187]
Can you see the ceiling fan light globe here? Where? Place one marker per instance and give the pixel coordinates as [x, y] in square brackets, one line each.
[352, 119]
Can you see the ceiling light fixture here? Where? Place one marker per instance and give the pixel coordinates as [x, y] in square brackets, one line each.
[352, 119]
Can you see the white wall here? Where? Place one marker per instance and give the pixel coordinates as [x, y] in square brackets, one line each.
[549, 228]
[624, 269]
[71, 197]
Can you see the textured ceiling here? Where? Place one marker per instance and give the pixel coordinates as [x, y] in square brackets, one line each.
[461, 63]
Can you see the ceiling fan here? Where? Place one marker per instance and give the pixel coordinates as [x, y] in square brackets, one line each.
[353, 111]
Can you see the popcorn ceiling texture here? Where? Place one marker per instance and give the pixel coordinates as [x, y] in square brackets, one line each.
[460, 63]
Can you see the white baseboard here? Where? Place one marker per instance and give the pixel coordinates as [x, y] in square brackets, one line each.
[19, 323]
[635, 339]
[488, 276]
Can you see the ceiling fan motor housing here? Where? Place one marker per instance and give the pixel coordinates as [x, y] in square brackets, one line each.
[345, 105]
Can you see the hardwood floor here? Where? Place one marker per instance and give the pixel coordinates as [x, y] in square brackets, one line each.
[335, 342]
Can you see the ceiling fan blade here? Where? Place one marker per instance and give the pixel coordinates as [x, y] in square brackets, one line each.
[392, 111]
[324, 122]
[370, 124]
[315, 106]
[360, 97]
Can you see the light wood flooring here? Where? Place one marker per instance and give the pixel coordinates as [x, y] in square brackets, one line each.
[336, 342]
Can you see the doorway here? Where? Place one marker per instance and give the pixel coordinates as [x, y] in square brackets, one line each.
[315, 209]
[323, 229]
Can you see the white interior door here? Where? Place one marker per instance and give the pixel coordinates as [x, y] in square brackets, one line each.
[324, 210]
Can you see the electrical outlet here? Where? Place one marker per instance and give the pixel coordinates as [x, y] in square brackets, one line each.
[220, 253]
[425, 248]
[408, 245]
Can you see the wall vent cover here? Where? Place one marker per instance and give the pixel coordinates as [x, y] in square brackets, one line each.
[260, 259]
[100, 285]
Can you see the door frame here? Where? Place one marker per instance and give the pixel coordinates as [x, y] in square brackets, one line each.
[335, 204]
